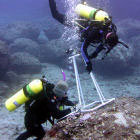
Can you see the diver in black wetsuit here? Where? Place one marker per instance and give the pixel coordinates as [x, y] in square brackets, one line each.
[41, 109]
[96, 32]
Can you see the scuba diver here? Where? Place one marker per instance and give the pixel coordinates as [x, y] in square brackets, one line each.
[95, 27]
[45, 106]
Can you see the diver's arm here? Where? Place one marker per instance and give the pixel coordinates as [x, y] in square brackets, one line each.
[91, 34]
[86, 56]
[55, 112]
[98, 50]
[27, 105]
[84, 52]
[58, 16]
[67, 102]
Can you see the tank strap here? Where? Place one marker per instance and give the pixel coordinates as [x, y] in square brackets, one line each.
[27, 91]
[44, 84]
[44, 89]
[94, 14]
[30, 92]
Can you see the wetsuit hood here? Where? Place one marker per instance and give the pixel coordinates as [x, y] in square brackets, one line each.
[60, 89]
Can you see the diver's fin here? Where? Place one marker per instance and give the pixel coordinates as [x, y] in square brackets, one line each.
[125, 45]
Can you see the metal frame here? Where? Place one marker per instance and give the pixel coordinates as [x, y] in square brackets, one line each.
[96, 104]
[82, 106]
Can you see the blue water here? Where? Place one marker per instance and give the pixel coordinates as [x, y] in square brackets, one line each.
[38, 13]
[34, 9]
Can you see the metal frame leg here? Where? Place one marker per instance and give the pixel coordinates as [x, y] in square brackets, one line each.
[79, 88]
[83, 107]
[97, 88]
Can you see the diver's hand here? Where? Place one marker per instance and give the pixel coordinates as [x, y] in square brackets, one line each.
[75, 102]
[73, 109]
[89, 66]
[76, 108]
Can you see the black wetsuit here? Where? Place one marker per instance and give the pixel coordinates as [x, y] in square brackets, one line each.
[41, 110]
[92, 34]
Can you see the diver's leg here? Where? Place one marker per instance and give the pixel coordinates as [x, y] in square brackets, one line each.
[38, 131]
[33, 126]
[24, 136]
[95, 53]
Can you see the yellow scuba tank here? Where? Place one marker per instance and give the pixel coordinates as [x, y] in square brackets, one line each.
[22, 96]
[91, 13]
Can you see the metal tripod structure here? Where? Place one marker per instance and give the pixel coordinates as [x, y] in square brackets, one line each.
[82, 107]
[96, 104]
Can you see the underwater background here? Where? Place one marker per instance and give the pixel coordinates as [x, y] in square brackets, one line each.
[33, 44]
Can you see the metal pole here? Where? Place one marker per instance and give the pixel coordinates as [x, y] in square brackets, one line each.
[97, 107]
[81, 93]
[100, 90]
[94, 81]
[76, 76]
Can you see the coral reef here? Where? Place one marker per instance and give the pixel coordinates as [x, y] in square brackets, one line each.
[119, 120]
[25, 45]
[11, 32]
[53, 33]
[24, 63]
[4, 88]
[4, 58]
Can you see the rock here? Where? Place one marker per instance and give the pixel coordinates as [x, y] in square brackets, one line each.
[4, 58]
[120, 119]
[53, 48]
[10, 124]
[19, 30]
[25, 63]
[11, 77]
[104, 123]
[25, 45]
[52, 33]
[3, 88]
[42, 39]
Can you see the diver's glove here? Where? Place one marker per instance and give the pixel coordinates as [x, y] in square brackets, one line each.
[89, 66]
[73, 109]
[76, 108]
[75, 102]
